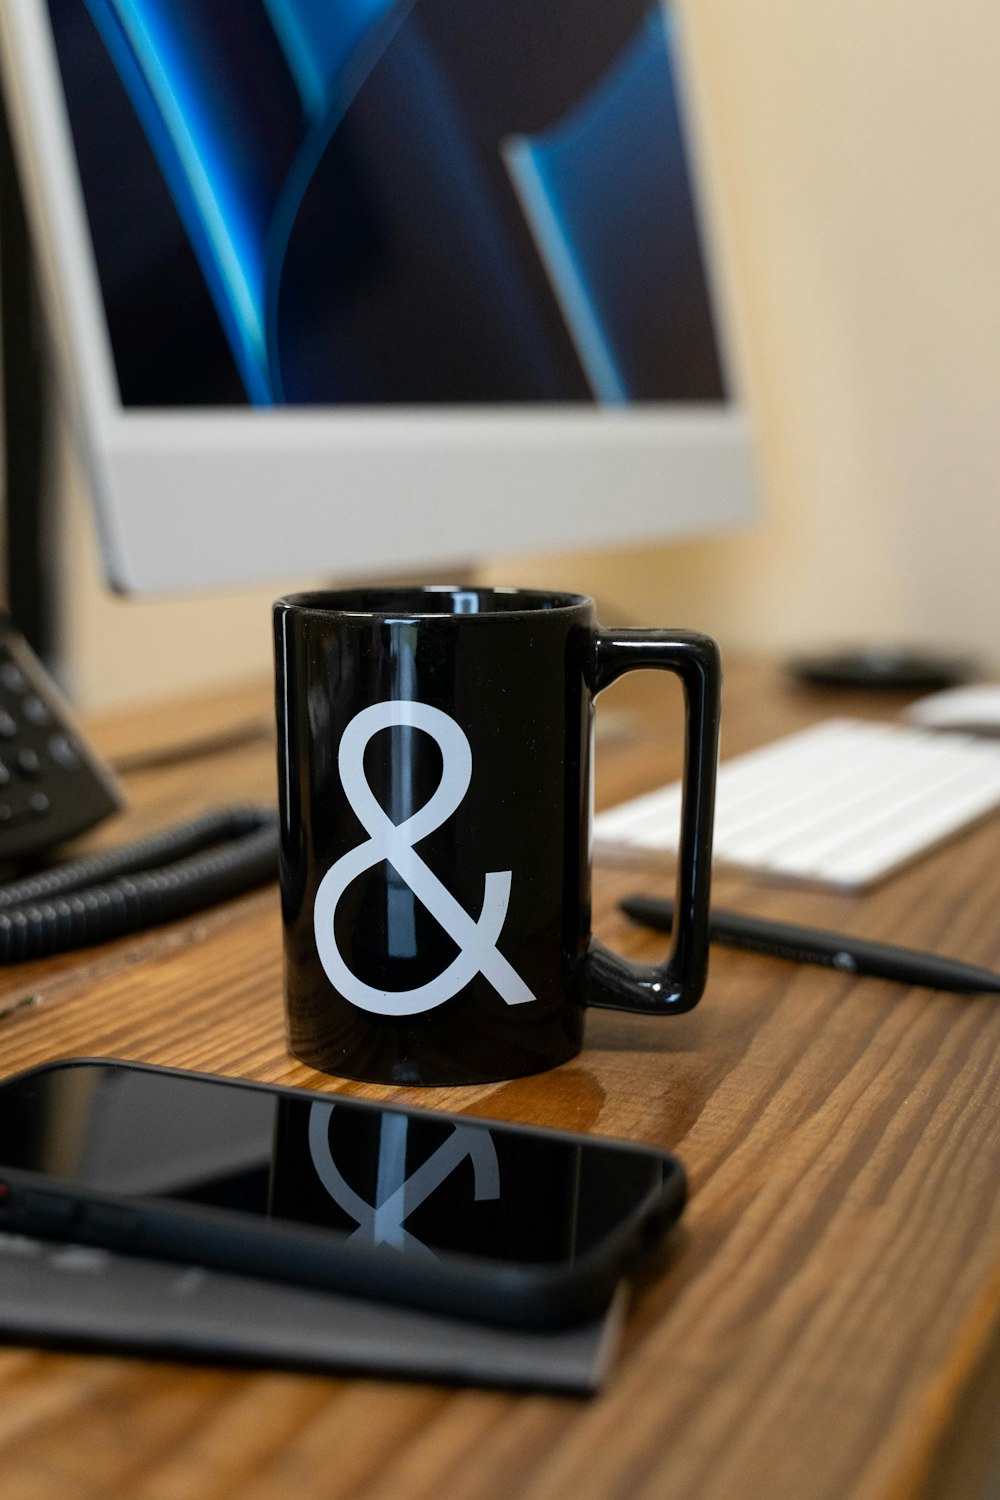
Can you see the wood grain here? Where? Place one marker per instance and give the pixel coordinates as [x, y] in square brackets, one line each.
[827, 1311]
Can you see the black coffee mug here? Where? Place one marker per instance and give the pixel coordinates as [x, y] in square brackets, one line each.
[434, 761]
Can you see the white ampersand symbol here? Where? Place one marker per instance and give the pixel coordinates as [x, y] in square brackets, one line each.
[393, 842]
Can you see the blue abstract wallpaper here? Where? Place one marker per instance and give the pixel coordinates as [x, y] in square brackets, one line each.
[388, 201]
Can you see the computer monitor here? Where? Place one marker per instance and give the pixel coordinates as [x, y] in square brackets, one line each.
[366, 285]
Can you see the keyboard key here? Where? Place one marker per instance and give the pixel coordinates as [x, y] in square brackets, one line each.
[36, 710]
[64, 752]
[13, 678]
[27, 762]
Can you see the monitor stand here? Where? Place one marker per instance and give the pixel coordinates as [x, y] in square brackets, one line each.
[27, 586]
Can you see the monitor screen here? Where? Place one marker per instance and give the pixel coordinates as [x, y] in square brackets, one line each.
[349, 284]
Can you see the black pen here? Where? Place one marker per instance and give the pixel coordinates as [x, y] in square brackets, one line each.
[806, 945]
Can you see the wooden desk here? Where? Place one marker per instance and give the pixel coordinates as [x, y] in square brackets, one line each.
[828, 1326]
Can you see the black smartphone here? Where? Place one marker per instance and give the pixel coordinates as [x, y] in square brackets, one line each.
[500, 1222]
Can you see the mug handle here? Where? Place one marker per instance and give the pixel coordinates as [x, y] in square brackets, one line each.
[609, 981]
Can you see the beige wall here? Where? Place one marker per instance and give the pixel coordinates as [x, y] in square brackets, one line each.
[853, 149]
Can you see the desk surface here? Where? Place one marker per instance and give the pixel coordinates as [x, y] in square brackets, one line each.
[829, 1322]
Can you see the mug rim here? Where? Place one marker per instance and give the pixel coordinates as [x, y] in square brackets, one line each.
[335, 603]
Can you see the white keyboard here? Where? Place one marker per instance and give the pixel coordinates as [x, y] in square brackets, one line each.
[843, 803]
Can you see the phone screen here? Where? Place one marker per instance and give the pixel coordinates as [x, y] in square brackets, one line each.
[416, 1181]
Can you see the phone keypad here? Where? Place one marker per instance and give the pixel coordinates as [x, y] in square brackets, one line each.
[52, 786]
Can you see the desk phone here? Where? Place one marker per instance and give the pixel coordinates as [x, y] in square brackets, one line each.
[52, 785]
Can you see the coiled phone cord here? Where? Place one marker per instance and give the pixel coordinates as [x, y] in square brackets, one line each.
[156, 879]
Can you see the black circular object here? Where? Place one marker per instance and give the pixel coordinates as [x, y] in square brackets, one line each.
[881, 667]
